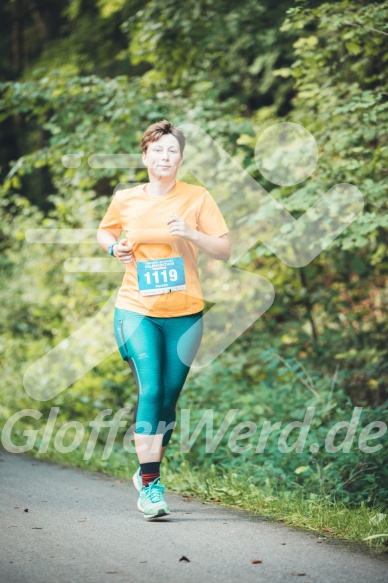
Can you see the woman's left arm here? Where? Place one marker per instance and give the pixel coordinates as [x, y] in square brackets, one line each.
[215, 247]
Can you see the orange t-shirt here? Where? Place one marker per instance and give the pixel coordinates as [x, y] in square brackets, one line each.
[144, 219]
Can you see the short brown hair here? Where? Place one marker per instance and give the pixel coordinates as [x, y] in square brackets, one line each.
[156, 130]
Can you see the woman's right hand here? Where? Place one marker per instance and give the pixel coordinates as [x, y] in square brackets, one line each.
[123, 251]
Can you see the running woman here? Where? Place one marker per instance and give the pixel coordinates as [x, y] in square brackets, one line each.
[158, 322]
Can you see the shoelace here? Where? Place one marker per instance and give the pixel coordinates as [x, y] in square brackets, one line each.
[155, 491]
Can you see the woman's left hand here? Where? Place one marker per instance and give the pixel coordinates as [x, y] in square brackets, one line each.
[179, 227]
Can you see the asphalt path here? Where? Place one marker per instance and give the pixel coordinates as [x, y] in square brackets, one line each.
[60, 524]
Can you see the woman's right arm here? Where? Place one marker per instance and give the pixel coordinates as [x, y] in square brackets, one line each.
[123, 249]
[104, 239]
[110, 229]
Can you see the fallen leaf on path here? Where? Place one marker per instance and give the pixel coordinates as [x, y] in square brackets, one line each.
[297, 573]
[256, 561]
[26, 510]
[183, 558]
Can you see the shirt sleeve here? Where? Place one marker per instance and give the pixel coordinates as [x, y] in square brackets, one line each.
[111, 223]
[210, 219]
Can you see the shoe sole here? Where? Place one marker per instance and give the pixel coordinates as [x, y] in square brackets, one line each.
[160, 513]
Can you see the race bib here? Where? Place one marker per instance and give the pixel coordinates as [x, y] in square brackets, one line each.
[161, 276]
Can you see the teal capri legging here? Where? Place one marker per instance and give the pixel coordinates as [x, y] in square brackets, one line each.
[159, 352]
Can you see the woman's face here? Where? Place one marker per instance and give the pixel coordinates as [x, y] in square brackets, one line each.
[163, 157]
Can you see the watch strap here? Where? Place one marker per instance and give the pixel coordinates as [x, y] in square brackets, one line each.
[111, 248]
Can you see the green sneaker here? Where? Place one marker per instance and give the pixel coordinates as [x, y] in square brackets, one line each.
[137, 481]
[151, 501]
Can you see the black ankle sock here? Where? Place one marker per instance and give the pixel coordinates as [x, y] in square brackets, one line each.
[149, 472]
[149, 467]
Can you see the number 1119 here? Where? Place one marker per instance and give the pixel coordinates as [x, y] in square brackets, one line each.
[172, 276]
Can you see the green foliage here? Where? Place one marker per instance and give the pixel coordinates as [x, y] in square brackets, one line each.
[264, 386]
[229, 49]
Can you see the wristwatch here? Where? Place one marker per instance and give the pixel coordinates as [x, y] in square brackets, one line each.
[110, 248]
